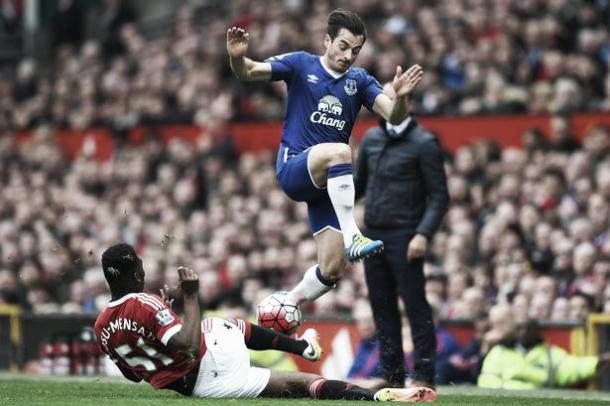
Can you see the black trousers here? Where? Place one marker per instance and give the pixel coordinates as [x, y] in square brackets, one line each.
[388, 276]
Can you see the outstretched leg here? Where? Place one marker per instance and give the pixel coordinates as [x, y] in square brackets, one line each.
[261, 338]
[301, 385]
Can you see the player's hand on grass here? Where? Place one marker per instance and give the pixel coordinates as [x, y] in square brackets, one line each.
[417, 247]
[404, 83]
[237, 42]
[189, 280]
[164, 291]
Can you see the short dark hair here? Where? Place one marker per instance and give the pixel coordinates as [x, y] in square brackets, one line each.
[341, 18]
[556, 173]
[119, 261]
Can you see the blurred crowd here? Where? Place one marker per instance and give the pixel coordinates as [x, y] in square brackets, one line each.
[527, 234]
[526, 228]
[527, 56]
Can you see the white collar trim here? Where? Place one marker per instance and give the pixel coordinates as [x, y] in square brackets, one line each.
[400, 127]
[330, 71]
[121, 300]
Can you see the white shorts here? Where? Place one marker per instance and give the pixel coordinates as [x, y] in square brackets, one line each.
[225, 370]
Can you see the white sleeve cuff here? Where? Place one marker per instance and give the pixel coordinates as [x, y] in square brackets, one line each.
[170, 333]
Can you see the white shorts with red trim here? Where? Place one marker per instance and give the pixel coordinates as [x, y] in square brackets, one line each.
[225, 370]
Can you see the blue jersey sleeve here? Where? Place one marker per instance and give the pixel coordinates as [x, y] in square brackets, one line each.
[372, 89]
[283, 67]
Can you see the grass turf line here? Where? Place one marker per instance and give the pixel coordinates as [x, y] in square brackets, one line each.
[97, 392]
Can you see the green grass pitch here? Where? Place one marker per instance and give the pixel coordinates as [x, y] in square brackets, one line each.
[22, 390]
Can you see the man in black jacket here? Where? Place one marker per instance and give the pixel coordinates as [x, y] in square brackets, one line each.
[400, 169]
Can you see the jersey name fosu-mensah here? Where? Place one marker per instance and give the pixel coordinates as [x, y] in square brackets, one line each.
[134, 332]
[321, 106]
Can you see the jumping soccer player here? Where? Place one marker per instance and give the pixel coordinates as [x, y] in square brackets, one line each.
[324, 96]
[147, 341]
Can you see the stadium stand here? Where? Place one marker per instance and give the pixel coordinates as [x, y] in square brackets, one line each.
[480, 57]
[527, 227]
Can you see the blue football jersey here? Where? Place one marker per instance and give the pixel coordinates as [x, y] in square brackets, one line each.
[320, 107]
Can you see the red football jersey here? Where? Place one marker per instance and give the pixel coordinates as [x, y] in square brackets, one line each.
[134, 331]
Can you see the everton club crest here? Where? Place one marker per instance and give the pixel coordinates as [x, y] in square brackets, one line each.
[350, 87]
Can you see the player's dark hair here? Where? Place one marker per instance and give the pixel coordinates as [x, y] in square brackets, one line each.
[340, 18]
[120, 261]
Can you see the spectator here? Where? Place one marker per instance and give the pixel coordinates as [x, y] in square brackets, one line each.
[560, 310]
[580, 305]
[526, 361]
[464, 366]
[562, 139]
[501, 325]
[10, 293]
[533, 141]
[137, 75]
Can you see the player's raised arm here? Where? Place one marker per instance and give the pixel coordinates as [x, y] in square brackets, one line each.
[244, 68]
[188, 339]
[396, 110]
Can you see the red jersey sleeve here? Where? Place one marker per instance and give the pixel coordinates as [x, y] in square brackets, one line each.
[163, 322]
[134, 331]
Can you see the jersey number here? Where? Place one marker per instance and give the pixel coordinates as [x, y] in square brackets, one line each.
[137, 360]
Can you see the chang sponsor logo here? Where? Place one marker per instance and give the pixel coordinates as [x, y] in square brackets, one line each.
[329, 106]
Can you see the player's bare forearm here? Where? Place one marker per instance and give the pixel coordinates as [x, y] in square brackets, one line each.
[392, 109]
[239, 68]
[190, 334]
[393, 104]
[188, 339]
[399, 111]
[245, 69]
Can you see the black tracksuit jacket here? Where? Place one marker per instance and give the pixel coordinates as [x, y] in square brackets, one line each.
[403, 176]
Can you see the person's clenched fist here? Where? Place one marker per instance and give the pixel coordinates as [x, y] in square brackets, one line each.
[189, 280]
